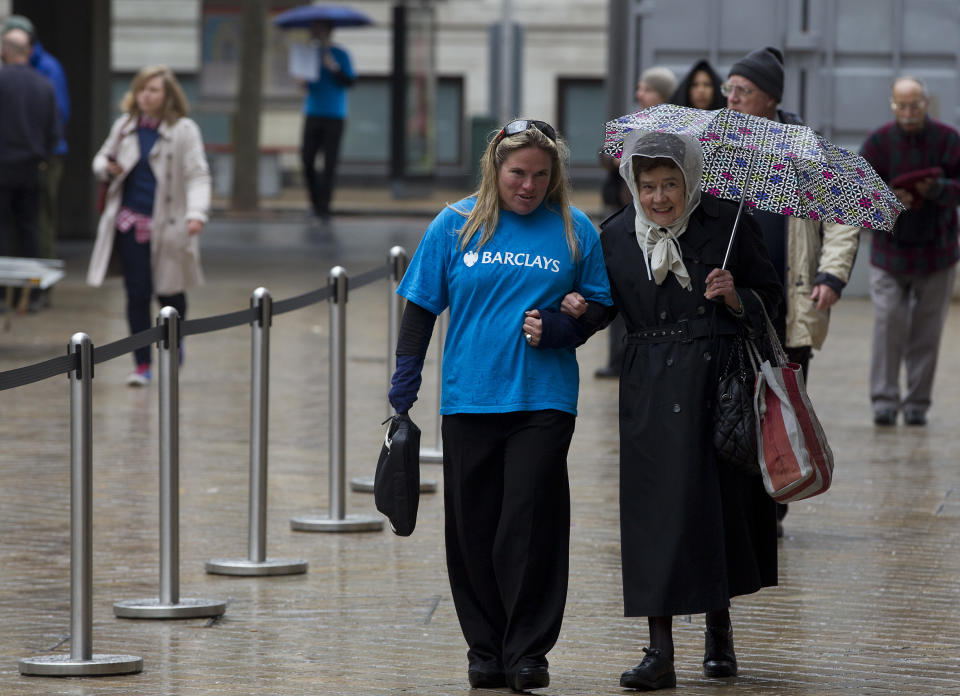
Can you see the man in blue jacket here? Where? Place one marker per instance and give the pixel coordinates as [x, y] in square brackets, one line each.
[49, 67]
[29, 130]
[325, 110]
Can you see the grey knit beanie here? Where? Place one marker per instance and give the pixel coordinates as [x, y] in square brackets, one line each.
[763, 67]
[661, 80]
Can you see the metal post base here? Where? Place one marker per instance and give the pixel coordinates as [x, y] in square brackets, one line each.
[154, 609]
[364, 484]
[65, 666]
[352, 523]
[271, 566]
[431, 455]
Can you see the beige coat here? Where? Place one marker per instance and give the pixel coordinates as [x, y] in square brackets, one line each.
[809, 254]
[183, 193]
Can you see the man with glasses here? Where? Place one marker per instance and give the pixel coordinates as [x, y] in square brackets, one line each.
[814, 260]
[912, 271]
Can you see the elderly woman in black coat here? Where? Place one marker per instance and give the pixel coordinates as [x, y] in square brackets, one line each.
[694, 533]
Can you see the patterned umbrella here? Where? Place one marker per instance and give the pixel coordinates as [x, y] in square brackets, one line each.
[785, 169]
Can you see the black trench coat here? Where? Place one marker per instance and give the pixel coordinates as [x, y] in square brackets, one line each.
[693, 532]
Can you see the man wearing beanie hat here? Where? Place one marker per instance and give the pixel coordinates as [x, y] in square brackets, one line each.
[814, 261]
[764, 68]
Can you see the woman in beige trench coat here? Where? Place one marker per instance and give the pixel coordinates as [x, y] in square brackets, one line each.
[156, 204]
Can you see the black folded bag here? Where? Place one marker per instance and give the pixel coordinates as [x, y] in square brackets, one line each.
[396, 486]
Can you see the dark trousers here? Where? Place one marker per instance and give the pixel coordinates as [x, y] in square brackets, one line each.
[321, 134]
[19, 210]
[507, 530]
[49, 214]
[138, 280]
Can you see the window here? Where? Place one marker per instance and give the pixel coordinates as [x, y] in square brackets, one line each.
[367, 134]
[582, 107]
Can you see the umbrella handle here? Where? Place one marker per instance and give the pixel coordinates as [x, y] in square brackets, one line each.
[736, 221]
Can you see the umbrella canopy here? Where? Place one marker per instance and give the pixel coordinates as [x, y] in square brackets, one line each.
[777, 167]
[303, 17]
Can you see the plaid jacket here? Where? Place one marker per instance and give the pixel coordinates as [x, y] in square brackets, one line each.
[923, 240]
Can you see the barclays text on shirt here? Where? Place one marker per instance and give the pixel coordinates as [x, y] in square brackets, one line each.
[510, 258]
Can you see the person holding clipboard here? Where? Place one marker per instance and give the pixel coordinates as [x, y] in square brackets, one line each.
[325, 111]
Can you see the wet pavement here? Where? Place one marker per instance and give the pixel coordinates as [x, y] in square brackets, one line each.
[869, 600]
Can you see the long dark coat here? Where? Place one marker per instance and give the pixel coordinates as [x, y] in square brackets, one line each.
[693, 532]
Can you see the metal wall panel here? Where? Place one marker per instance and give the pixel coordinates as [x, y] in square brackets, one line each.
[841, 57]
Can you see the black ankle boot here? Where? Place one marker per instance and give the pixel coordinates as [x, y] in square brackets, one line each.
[719, 660]
[655, 671]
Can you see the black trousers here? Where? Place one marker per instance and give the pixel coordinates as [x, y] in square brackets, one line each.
[321, 134]
[138, 281]
[507, 530]
[19, 210]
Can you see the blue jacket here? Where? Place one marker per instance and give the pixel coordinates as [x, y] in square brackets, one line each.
[50, 67]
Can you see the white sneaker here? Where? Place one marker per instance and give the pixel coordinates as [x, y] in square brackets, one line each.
[139, 377]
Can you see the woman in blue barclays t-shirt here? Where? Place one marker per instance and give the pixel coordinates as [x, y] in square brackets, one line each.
[502, 261]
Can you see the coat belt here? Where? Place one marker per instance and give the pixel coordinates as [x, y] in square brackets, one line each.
[684, 330]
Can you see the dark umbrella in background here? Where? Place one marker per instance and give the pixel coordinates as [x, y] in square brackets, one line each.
[782, 168]
[337, 15]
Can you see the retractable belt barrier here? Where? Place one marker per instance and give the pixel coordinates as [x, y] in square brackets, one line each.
[82, 355]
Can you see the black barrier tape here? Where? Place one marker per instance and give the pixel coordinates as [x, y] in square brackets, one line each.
[300, 301]
[21, 376]
[37, 372]
[368, 277]
[127, 345]
[192, 327]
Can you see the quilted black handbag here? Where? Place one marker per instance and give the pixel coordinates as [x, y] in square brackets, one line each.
[735, 430]
[396, 485]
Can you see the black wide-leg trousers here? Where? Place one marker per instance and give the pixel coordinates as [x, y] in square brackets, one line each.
[507, 530]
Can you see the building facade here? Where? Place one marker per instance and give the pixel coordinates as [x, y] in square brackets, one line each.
[571, 62]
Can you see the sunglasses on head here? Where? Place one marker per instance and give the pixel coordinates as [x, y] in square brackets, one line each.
[522, 124]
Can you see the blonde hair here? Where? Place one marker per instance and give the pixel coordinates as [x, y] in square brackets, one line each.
[486, 212]
[175, 104]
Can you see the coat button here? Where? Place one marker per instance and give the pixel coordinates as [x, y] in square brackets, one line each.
[663, 315]
[707, 356]
[172, 221]
[676, 408]
[701, 310]
[669, 362]
[169, 199]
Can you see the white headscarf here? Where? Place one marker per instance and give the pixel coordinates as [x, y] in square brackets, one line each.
[660, 245]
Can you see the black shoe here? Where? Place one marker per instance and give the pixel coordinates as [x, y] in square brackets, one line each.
[914, 418]
[885, 416]
[526, 678]
[655, 671]
[607, 373]
[719, 660]
[481, 679]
